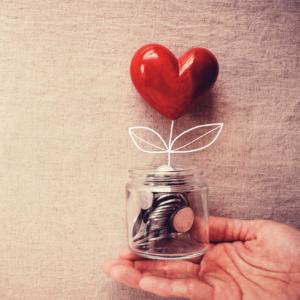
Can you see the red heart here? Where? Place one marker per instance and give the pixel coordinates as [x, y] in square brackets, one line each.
[171, 85]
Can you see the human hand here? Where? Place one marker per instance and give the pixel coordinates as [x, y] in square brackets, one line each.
[250, 260]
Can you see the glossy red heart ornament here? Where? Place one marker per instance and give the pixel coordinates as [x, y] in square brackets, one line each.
[171, 85]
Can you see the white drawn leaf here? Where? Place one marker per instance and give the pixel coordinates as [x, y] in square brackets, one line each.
[196, 138]
[147, 140]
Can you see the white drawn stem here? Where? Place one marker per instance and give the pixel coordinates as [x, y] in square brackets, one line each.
[170, 143]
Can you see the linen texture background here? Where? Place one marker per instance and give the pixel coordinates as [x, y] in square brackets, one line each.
[66, 102]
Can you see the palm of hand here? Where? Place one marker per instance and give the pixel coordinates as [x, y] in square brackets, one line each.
[257, 260]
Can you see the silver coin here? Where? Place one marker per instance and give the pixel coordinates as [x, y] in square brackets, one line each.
[146, 200]
[158, 213]
[165, 168]
[158, 224]
[170, 202]
[159, 217]
[137, 224]
[144, 244]
[161, 212]
[171, 198]
[163, 209]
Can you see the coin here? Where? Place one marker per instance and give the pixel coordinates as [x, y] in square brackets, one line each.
[170, 197]
[182, 220]
[164, 168]
[137, 224]
[146, 200]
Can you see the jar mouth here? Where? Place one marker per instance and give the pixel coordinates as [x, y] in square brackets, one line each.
[178, 170]
[158, 176]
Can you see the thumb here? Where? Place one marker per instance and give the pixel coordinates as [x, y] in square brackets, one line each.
[225, 229]
[230, 230]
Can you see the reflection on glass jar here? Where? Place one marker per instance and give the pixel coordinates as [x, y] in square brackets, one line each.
[167, 212]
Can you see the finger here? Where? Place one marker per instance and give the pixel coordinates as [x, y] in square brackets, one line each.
[190, 288]
[169, 269]
[230, 230]
[128, 254]
[107, 266]
[162, 274]
[126, 275]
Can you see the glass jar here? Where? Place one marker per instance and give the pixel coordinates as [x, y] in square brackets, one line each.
[167, 214]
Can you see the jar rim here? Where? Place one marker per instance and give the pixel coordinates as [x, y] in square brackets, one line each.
[182, 178]
[178, 170]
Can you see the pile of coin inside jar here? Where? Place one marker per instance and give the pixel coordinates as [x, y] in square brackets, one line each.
[164, 214]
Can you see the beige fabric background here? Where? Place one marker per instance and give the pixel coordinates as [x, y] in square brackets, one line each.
[66, 102]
